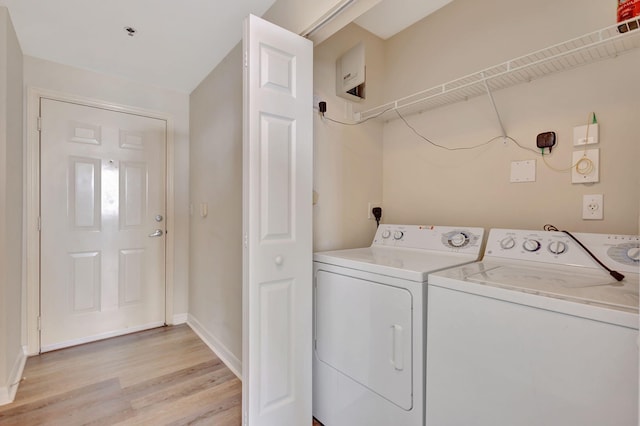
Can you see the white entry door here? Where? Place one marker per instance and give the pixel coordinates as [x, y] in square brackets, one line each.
[102, 223]
[277, 271]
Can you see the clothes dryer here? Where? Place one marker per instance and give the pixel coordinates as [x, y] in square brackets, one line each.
[368, 365]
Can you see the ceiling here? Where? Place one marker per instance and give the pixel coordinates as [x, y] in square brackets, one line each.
[389, 17]
[176, 43]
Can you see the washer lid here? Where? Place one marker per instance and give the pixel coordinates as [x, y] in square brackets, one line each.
[529, 283]
[407, 264]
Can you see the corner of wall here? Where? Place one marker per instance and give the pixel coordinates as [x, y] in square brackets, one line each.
[226, 356]
[8, 391]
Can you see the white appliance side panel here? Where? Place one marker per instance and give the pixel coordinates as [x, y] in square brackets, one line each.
[491, 362]
[364, 330]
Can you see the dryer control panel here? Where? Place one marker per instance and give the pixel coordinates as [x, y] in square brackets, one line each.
[429, 237]
[622, 252]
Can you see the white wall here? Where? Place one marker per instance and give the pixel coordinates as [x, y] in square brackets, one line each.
[425, 185]
[48, 75]
[11, 190]
[347, 159]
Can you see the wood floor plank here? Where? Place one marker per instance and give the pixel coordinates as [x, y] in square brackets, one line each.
[156, 377]
[164, 376]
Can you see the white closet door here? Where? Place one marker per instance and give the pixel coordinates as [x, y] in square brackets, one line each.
[102, 212]
[277, 278]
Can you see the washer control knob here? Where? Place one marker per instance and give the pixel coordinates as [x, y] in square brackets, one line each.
[557, 247]
[398, 235]
[386, 234]
[634, 254]
[508, 243]
[459, 240]
[531, 245]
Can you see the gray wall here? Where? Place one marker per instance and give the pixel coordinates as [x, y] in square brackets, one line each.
[11, 206]
[215, 294]
[215, 289]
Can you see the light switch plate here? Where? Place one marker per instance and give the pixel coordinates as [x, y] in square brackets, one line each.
[586, 134]
[523, 171]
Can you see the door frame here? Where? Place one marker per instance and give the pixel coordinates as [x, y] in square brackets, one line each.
[31, 294]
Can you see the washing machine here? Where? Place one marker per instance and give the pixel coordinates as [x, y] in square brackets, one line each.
[368, 357]
[537, 333]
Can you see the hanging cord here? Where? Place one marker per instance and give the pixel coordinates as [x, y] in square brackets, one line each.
[615, 274]
[584, 165]
[413, 129]
[463, 148]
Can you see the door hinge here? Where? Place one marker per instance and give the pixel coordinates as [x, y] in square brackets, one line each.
[245, 241]
[39, 323]
[246, 59]
[39, 124]
[39, 224]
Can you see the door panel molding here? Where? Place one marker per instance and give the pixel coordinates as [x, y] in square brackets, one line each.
[31, 291]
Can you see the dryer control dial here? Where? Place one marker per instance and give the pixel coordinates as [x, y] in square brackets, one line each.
[531, 245]
[458, 240]
[557, 247]
[398, 235]
[508, 243]
[386, 234]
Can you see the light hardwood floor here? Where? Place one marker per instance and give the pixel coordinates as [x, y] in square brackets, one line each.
[164, 376]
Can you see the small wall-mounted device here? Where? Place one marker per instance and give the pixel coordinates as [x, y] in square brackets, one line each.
[546, 140]
[350, 74]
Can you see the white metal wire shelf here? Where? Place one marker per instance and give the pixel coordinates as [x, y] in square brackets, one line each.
[603, 44]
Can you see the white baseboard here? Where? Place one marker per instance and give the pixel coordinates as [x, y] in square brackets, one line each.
[229, 359]
[179, 319]
[8, 391]
[101, 336]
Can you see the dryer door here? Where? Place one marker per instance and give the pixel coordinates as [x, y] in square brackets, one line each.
[363, 330]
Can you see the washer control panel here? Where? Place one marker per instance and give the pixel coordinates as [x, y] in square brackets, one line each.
[442, 238]
[621, 252]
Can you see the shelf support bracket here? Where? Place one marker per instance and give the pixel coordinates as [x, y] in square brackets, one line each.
[495, 108]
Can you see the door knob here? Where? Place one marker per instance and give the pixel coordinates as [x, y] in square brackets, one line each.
[156, 233]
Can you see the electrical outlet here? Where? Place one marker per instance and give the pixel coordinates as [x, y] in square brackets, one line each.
[593, 207]
[586, 166]
[371, 206]
[586, 134]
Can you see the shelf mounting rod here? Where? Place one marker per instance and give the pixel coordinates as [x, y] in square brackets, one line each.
[495, 108]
